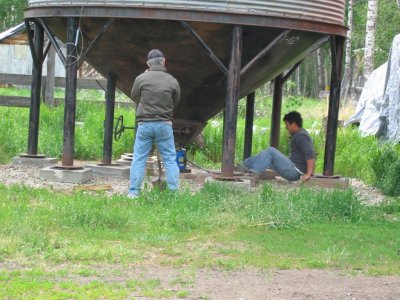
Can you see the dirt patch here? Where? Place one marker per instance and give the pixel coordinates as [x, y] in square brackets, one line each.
[245, 284]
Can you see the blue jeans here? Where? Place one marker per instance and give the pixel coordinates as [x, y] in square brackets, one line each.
[147, 133]
[275, 160]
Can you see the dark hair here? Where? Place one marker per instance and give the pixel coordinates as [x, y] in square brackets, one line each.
[294, 117]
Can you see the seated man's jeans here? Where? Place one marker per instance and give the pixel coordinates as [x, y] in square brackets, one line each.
[275, 160]
[161, 133]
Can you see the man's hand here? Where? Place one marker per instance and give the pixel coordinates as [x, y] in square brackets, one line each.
[305, 177]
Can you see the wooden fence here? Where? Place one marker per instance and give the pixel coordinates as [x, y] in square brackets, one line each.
[26, 80]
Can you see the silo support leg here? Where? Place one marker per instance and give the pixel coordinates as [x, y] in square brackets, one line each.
[276, 112]
[34, 113]
[231, 106]
[337, 45]
[109, 119]
[70, 94]
[248, 131]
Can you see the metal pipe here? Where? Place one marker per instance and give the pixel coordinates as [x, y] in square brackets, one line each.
[109, 118]
[34, 112]
[70, 95]
[231, 107]
[337, 46]
[276, 112]
[207, 49]
[248, 131]
[264, 51]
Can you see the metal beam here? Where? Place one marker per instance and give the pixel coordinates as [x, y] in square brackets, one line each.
[263, 52]
[109, 119]
[30, 40]
[34, 112]
[46, 50]
[210, 53]
[106, 26]
[290, 72]
[248, 131]
[231, 106]
[337, 45]
[70, 95]
[53, 41]
[276, 112]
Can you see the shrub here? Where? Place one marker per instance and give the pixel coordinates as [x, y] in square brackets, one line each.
[385, 163]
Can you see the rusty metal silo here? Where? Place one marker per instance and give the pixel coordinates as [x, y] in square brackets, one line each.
[220, 51]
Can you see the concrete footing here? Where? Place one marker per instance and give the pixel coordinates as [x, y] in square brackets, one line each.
[328, 182]
[240, 184]
[110, 171]
[33, 161]
[65, 175]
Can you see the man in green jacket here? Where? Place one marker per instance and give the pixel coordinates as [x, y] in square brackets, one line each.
[156, 93]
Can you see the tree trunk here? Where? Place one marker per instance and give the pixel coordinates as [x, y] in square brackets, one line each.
[370, 38]
[346, 83]
[298, 89]
[321, 71]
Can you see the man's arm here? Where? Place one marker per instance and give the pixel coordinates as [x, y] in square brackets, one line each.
[135, 93]
[310, 170]
[177, 94]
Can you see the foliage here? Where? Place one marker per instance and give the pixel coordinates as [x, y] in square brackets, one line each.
[385, 163]
[11, 12]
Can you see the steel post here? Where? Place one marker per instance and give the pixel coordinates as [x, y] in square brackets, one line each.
[231, 106]
[337, 46]
[248, 131]
[34, 113]
[70, 94]
[109, 118]
[276, 112]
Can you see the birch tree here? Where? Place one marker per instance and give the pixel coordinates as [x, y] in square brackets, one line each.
[370, 38]
[346, 83]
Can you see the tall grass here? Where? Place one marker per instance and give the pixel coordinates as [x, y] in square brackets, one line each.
[354, 154]
[39, 221]
[89, 131]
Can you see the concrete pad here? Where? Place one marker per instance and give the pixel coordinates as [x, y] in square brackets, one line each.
[64, 175]
[328, 182]
[110, 171]
[243, 184]
[123, 162]
[38, 161]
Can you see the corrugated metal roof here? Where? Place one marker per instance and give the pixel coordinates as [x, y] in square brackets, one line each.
[12, 31]
[329, 11]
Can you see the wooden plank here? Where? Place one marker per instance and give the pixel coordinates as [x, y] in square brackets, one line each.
[18, 101]
[83, 83]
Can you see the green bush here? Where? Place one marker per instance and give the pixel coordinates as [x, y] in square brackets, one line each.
[385, 163]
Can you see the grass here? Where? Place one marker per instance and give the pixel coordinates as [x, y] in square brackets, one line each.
[57, 228]
[80, 246]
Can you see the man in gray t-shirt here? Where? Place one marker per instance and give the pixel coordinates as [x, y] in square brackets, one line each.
[301, 161]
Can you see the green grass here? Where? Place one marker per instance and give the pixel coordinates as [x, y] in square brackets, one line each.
[82, 246]
[354, 154]
[57, 228]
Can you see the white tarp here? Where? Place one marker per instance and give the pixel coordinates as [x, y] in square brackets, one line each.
[390, 110]
[378, 109]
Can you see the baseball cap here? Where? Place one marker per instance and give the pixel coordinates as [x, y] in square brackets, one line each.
[154, 53]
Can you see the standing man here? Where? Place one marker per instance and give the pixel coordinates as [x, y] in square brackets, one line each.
[301, 161]
[155, 93]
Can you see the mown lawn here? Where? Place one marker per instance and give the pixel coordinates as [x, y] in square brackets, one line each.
[217, 227]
